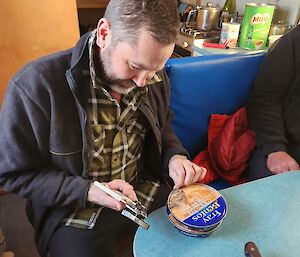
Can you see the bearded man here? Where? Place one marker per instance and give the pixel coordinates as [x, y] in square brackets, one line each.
[96, 112]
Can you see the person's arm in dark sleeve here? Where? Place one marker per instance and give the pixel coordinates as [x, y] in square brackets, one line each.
[25, 162]
[266, 104]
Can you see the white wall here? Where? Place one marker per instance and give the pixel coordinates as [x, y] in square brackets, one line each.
[288, 10]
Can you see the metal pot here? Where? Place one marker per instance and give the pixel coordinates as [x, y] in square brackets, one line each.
[207, 17]
[279, 29]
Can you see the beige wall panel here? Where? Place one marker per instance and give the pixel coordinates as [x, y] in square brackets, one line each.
[30, 29]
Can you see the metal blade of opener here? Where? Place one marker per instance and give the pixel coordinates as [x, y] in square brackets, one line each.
[138, 221]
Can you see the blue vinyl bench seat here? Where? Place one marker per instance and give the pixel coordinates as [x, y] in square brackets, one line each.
[205, 85]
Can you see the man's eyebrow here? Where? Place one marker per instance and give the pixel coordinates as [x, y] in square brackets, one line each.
[140, 66]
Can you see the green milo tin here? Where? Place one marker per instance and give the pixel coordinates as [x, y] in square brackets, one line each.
[256, 25]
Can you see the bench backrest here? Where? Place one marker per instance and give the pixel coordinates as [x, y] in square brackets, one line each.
[204, 85]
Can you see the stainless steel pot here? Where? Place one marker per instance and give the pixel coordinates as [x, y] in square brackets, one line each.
[279, 29]
[207, 17]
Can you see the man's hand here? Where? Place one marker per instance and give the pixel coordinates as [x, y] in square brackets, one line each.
[96, 195]
[279, 162]
[184, 172]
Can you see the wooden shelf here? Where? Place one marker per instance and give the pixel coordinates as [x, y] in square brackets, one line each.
[92, 4]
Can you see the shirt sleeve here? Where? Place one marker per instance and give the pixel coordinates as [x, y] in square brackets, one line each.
[273, 85]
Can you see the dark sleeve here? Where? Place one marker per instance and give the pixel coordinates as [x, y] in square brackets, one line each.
[25, 162]
[170, 143]
[273, 84]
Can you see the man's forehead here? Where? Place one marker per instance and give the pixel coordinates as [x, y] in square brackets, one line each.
[146, 53]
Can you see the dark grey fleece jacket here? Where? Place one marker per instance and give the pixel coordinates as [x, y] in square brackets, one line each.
[273, 107]
[45, 137]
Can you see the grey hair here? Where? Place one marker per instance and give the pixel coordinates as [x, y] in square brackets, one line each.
[128, 18]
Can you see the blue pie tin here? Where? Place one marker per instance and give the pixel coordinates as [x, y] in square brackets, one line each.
[196, 210]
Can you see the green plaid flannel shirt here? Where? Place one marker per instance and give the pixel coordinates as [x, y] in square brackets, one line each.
[118, 132]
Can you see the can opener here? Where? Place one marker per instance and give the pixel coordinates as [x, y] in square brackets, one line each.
[134, 210]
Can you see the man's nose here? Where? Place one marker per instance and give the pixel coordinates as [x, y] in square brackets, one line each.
[141, 78]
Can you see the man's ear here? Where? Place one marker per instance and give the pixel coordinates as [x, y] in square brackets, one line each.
[103, 33]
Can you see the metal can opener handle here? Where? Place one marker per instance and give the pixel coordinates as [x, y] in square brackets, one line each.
[134, 210]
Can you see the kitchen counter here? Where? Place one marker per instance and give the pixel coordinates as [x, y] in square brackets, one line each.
[202, 50]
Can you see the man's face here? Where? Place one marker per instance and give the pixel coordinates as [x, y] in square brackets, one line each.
[126, 65]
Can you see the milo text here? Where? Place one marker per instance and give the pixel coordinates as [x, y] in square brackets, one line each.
[260, 18]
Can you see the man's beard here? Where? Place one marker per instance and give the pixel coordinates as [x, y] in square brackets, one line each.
[110, 79]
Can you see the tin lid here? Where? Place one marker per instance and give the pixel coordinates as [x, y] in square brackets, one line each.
[260, 5]
[189, 230]
[197, 206]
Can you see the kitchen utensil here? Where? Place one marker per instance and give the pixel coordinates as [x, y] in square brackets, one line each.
[279, 28]
[215, 45]
[251, 250]
[134, 210]
[207, 17]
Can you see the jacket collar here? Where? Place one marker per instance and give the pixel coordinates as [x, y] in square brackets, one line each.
[78, 63]
[79, 50]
